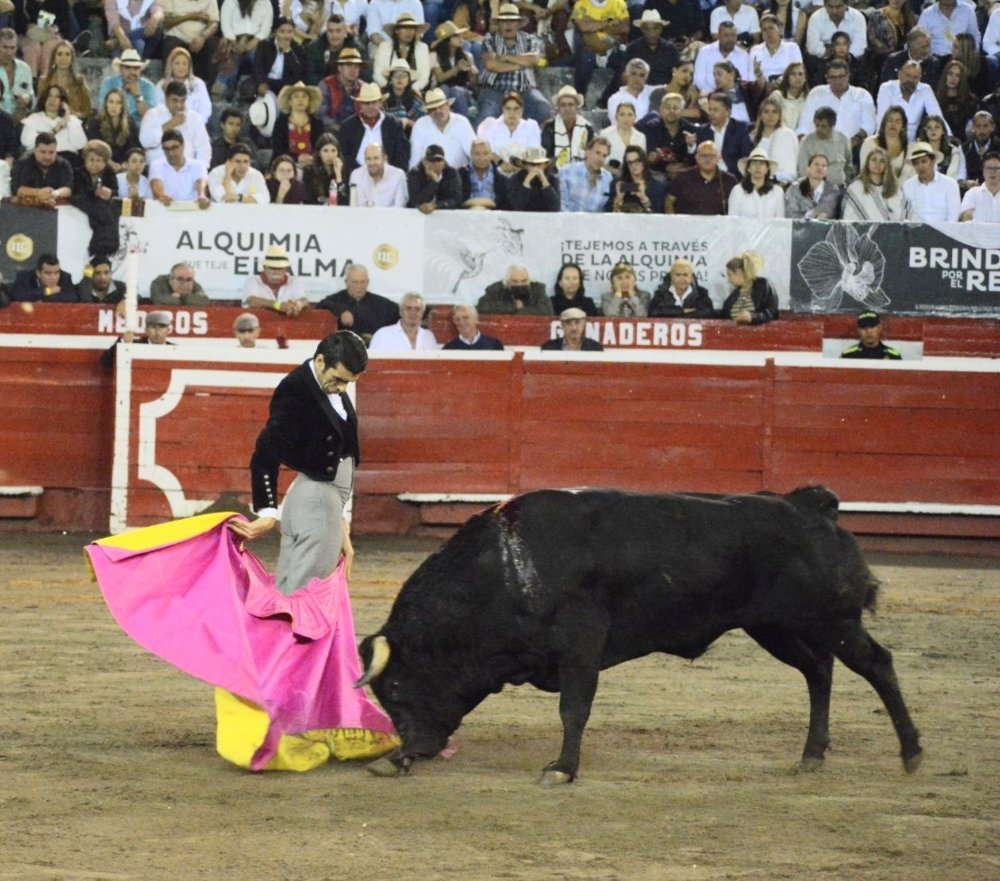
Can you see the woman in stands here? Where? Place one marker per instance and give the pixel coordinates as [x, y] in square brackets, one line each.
[625, 299]
[453, 69]
[570, 292]
[965, 50]
[114, 126]
[53, 115]
[244, 25]
[933, 131]
[40, 24]
[298, 129]
[404, 44]
[177, 69]
[890, 137]
[876, 194]
[95, 185]
[132, 182]
[958, 104]
[812, 197]
[753, 300]
[794, 89]
[776, 139]
[510, 133]
[283, 183]
[326, 174]
[637, 191]
[622, 133]
[757, 195]
[887, 30]
[682, 82]
[401, 101]
[278, 62]
[793, 23]
[62, 72]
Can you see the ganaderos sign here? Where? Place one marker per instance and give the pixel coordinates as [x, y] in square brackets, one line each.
[949, 269]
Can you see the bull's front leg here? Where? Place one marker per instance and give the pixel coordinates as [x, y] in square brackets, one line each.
[577, 687]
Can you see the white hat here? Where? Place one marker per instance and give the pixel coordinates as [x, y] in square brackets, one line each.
[508, 12]
[276, 257]
[650, 16]
[568, 92]
[435, 98]
[757, 154]
[263, 112]
[129, 58]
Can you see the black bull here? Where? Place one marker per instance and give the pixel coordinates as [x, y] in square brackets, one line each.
[552, 587]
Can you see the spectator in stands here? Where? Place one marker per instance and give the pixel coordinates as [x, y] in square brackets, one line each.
[637, 191]
[377, 184]
[297, 128]
[246, 327]
[132, 183]
[570, 292]
[622, 133]
[794, 89]
[18, 93]
[840, 50]
[917, 48]
[723, 49]
[574, 334]
[433, 184]
[813, 197]
[177, 69]
[275, 287]
[402, 103]
[891, 137]
[283, 184]
[178, 288]
[600, 28]
[279, 62]
[371, 125]
[173, 116]
[587, 185]
[933, 196]
[322, 53]
[887, 33]
[876, 195]
[731, 138]
[244, 25]
[535, 186]
[237, 181]
[668, 136]
[829, 142]
[917, 99]
[175, 178]
[95, 185]
[770, 59]
[703, 189]
[54, 117]
[194, 25]
[635, 91]
[140, 93]
[854, 107]
[97, 285]
[509, 134]
[39, 37]
[517, 294]
[406, 335]
[46, 283]
[944, 21]
[566, 135]
[983, 141]
[136, 27]
[955, 97]
[358, 309]
[404, 44]
[307, 18]
[441, 126]
[157, 328]
[382, 12]
[469, 338]
[683, 20]
[625, 299]
[42, 177]
[231, 123]
[744, 17]
[738, 92]
[870, 346]
[981, 204]
[682, 83]
[453, 69]
[757, 195]
[660, 54]
[484, 186]
[933, 130]
[680, 296]
[778, 141]
[753, 300]
[114, 126]
[835, 16]
[62, 72]
[510, 56]
[338, 90]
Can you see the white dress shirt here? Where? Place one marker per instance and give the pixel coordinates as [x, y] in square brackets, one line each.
[389, 192]
[394, 339]
[383, 12]
[744, 204]
[197, 144]
[708, 56]
[640, 103]
[855, 110]
[984, 205]
[943, 29]
[771, 66]
[746, 19]
[501, 139]
[991, 39]
[938, 200]
[178, 183]
[292, 289]
[253, 184]
[456, 139]
[923, 100]
[821, 29]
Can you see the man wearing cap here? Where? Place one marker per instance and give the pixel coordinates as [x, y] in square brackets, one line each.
[469, 338]
[236, 181]
[140, 93]
[932, 196]
[339, 89]
[442, 127]
[157, 329]
[483, 184]
[246, 329]
[517, 294]
[378, 184]
[46, 283]
[981, 204]
[574, 334]
[668, 135]
[312, 429]
[510, 57]
[178, 288]
[323, 53]
[406, 335]
[371, 125]
[173, 115]
[870, 346]
[586, 186]
[566, 135]
[176, 178]
[535, 186]
[433, 184]
[358, 308]
[275, 287]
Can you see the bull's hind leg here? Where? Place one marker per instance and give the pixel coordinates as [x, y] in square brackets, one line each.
[859, 652]
[816, 665]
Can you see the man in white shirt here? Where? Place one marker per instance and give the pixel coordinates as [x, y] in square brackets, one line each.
[853, 105]
[275, 287]
[636, 90]
[916, 98]
[406, 335]
[835, 16]
[175, 178]
[740, 14]
[172, 116]
[945, 20]
[933, 197]
[981, 204]
[773, 56]
[378, 184]
[236, 181]
[723, 49]
[440, 126]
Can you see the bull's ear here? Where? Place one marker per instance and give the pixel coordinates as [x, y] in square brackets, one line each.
[379, 648]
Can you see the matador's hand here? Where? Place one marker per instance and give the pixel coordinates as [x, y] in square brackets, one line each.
[253, 529]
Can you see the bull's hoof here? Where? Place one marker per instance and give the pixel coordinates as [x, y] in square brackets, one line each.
[811, 764]
[388, 766]
[552, 776]
[913, 762]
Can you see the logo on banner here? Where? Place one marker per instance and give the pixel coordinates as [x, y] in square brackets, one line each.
[385, 256]
[20, 247]
[844, 264]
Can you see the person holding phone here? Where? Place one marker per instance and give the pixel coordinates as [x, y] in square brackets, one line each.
[52, 115]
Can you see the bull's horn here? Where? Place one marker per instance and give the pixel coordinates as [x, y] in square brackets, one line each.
[380, 657]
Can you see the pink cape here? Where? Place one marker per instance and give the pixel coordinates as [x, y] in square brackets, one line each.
[188, 592]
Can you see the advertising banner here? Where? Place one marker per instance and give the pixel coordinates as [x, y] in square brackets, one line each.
[25, 233]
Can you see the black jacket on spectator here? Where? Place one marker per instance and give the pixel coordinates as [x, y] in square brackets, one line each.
[370, 313]
[28, 173]
[500, 184]
[103, 214]
[483, 343]
[735, 143]
[930, 68]
[765, 302]
[447, 192]
[10, 145]
[662, 147]
[534, 197]
[696, 304]
[28, 288]
[973, 158]
[26, 13]
[683, 20]
[560, 302]
[263, 61]
[118, 151]
[352, 132]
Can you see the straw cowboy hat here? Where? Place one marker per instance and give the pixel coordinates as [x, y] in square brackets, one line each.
[445, 31]
[757, 154]
[285, 97]
[650, 17]
[398, 66]
[369, 93]
[276, 257]
[568, 92]
[922, 148]
[508, 12]
[350, 55]
[534, 156]
[129, 58]
[405, 20]
[435, 98]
